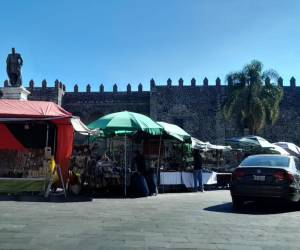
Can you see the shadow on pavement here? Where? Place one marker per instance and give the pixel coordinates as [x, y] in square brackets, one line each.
[38, 198]
[60, 198]
[257, 208]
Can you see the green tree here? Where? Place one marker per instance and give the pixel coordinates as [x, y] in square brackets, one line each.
[253, 101]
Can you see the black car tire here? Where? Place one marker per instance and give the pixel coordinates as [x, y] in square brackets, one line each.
[237, 202]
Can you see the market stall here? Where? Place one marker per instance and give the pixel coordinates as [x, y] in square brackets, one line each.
[175, 148]
[80, 155]
[100, 164]
[121, 126]
[176, 165]
[250, 145]
[289, 147]
[215, 159]
[31, 134]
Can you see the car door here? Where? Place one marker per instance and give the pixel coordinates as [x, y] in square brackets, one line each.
[297, 175]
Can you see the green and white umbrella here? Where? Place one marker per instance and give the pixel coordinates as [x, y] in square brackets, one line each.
[126, 123]
[176, 132]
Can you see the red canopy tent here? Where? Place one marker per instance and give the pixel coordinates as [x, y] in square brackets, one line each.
[15, 110]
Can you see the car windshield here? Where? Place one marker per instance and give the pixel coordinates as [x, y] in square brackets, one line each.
[266, 161]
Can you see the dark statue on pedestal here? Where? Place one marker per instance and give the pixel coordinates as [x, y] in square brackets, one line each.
[14, 63]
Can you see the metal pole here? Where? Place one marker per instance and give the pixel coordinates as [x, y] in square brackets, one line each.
[47, 135]
[47, 141]
[55, 141]
[112, 148]
[158, 161]
[125, 181]
[62, 180]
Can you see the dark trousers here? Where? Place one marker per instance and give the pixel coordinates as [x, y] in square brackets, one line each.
[138, 186]
[151, 179]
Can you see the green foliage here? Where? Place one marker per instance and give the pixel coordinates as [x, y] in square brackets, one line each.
[253, 100]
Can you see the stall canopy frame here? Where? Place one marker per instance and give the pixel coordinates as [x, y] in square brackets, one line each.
[81, 128]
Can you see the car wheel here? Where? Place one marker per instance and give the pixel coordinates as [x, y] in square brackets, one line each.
[237, 202]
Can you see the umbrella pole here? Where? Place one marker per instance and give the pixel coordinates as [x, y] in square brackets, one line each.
[111, 148]
[125, 156]
[158, 161]
[49, 185]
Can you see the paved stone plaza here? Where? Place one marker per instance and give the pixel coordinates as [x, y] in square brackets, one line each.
[167, 221]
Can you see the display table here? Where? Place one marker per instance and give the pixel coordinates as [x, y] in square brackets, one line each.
[17, 185]
[186, 178]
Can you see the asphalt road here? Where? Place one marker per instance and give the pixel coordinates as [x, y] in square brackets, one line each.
[167, 221]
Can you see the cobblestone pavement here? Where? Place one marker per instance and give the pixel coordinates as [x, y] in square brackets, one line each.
[167, 221]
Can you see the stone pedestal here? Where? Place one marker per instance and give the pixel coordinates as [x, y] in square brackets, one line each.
[15, 93]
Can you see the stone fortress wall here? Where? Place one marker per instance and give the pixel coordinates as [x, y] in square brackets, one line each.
[196, 108]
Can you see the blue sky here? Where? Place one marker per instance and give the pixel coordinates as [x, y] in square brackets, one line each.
[131, 41]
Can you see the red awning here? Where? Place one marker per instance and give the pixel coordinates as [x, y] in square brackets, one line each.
[31, 109]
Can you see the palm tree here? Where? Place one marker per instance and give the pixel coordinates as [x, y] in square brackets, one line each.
[253, 101]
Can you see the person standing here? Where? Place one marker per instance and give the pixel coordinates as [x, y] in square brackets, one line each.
[152, 179]
[197, 171]
[148, 173]
[139, 161]
[139, 186]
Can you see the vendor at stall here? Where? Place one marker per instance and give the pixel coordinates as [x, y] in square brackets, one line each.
[148, 173]
[139, 162]
[198, 185]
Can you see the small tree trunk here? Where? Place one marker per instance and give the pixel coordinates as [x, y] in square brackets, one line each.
[252, 131]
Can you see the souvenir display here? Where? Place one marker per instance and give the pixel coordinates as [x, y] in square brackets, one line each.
[96, 171]
[18, 164]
